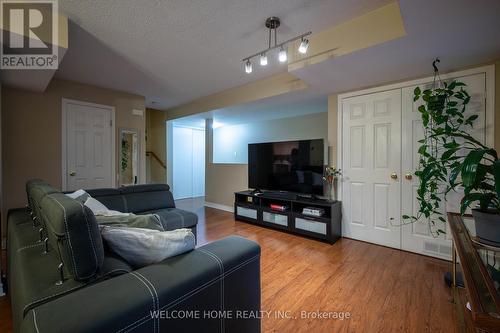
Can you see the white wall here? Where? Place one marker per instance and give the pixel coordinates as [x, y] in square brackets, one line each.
[230, 143]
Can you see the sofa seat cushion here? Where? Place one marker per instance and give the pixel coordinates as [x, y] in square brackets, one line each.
[173, 218]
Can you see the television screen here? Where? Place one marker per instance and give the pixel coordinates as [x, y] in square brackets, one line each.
[292, 166]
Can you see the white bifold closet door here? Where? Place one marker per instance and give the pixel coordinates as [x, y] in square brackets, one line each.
[380, 133]
[372, 163]
[188, 162]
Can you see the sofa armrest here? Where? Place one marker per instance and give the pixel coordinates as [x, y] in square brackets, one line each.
[211, 289]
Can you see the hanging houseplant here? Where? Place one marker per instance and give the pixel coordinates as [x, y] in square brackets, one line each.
[450, 158]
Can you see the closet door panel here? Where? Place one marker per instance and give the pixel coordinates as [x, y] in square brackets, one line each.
[372, 155]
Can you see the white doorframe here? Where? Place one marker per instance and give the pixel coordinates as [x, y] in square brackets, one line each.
[65, 102]
[490, 105]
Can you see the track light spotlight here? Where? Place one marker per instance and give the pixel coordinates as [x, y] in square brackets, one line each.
[282, 57]
[304, 45]
[263, 59]
[248, 67]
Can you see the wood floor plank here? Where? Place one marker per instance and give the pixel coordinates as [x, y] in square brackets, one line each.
[383, 289]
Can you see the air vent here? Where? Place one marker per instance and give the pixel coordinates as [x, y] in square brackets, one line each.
[441, 250]
[431, 247]
[445, 250]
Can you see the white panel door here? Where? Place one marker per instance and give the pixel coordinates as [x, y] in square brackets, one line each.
[89, 151]
[371, 154]
[418, 237]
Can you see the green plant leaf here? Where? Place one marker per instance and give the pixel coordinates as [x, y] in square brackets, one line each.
[470, 166]
[496, 175]
[425, 119]
[416, 94]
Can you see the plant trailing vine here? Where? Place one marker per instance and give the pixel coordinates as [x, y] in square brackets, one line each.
[449, 156]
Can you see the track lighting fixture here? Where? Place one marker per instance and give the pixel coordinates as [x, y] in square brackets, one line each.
[272, 23]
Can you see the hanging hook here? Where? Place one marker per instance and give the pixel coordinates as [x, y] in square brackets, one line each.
[434, 65]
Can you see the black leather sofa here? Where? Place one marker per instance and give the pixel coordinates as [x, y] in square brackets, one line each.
[68, 281]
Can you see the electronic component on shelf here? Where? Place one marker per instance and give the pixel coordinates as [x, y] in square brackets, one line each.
[281, 208]
[313, 211]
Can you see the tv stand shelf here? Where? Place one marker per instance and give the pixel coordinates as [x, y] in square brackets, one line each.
[255, 208]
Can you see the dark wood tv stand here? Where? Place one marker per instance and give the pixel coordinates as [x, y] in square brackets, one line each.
[255, 208]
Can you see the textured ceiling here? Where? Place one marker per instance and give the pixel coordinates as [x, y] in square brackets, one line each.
[460, 32]
[175, 51]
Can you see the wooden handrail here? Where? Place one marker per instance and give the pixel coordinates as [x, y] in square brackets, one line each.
[152, 153]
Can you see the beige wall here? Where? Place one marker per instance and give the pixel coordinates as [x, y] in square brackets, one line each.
[31, 132]
[156, 142]
[222, 180]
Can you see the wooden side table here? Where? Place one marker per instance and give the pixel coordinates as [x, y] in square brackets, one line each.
[480, 265]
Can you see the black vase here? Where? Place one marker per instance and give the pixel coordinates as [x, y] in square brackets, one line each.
[487, 226]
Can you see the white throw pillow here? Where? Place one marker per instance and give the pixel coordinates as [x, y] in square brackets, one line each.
[141, 247]
[95, 206]
[79, 195]
[76, 194]
[99, 209]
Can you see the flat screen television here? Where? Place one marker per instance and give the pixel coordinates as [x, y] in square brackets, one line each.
[292, 166]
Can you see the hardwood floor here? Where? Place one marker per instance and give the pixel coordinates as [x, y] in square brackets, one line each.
[383, 290]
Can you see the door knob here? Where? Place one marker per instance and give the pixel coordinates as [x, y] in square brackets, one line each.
[72, 173]
[394, 175]
[409, 176]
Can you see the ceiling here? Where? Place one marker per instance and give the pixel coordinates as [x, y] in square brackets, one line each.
[175, 51]
[283, 106]
[460, 32]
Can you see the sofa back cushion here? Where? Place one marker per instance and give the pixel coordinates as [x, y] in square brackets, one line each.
[109, 197]
[37, 190]
[72, 230]
[29, 186]
[143, 198]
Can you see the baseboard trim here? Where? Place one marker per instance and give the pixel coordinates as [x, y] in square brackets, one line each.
[219, 206]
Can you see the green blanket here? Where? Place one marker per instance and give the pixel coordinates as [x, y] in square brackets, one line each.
[148, 221]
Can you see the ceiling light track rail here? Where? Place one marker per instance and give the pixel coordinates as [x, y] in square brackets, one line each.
[278, 45]
[272, 23]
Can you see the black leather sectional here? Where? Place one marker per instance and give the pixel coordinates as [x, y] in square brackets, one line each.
[63, 278]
